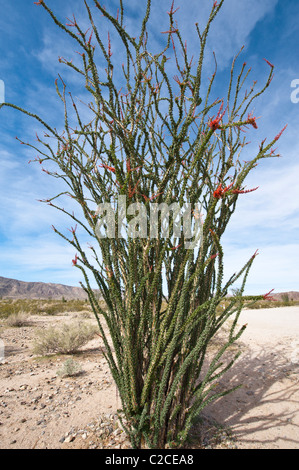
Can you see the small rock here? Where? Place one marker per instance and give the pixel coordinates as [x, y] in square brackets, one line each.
[250, 392]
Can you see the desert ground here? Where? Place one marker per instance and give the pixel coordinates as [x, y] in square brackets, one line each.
[40, 408]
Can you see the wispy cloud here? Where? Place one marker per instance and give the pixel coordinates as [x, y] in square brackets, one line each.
[275, 204]
[39, 258]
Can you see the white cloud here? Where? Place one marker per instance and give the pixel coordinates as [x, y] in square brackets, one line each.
[40, 258]
[275, 267]
[229, 31]
[274, 204]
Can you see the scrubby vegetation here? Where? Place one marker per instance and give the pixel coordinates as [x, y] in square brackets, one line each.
[18, 319]
[70, 368]
[41, 306]
[64, 339]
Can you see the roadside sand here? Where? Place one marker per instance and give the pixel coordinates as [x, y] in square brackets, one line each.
[39, 409]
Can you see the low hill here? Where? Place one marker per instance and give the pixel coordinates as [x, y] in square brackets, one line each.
[14, 289]
[291, 295]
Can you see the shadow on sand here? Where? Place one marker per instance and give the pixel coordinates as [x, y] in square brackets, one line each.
[265, 409]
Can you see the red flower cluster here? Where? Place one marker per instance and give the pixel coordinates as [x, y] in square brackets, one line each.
[243, 191]
[251, 120]
[220, 192]
[268, 296]
[214, 123]
[110, 168]
[282, 130]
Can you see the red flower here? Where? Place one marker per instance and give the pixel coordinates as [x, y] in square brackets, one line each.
[220, 191]
[110, 168]
[282, 130]
[269, 63]
[268, 296]
[214, 123]
[251, 120]
[239, 191]
[74, 261]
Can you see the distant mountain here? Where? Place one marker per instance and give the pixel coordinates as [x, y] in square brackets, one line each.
[14, 289]
[292, 295]
[11, 288]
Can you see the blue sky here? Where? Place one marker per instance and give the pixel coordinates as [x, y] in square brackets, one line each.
[267, 219]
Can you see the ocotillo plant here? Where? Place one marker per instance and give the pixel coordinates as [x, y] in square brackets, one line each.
[155, 138]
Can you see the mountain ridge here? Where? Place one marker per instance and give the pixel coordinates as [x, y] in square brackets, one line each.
[16, 289]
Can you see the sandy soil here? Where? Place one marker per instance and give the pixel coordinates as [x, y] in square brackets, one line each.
[264, 413]
[40, 409]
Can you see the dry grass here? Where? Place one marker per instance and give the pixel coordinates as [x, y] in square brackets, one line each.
[41, 306]
[70, 368]
[67, 338]
[18, 319]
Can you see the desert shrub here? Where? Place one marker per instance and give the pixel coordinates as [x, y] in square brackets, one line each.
[61, 306]
[155, 132]
[11, 306]
[18, 319]
[41, 306]
[86, 314]
[64, 339]
[70, 368]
